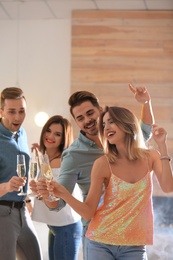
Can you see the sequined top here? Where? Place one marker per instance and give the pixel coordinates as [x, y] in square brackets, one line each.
[126, 216]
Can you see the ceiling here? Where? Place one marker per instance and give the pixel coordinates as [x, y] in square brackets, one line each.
[61, 9]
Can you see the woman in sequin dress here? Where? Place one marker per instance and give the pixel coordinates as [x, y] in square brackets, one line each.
[122, 219]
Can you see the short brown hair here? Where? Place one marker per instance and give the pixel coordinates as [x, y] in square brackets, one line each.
[79, 97]
[10, 93]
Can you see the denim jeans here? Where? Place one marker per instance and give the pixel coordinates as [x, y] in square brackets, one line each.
[101, 251]
[64, 241]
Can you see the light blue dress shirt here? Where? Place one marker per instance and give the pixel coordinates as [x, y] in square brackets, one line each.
[9, 148]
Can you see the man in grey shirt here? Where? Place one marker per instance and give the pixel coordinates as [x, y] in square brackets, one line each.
[78, 159]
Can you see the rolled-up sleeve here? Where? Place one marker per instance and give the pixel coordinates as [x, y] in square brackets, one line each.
[146, 130]
[68, 175]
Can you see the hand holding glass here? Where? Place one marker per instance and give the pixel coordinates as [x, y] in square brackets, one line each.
[46, 172]
[21, 170]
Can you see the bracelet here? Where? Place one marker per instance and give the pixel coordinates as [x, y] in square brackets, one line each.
[27, 201]
[39, 198]
[165, 157]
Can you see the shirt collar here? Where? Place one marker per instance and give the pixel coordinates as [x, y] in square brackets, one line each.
[85, 139]
[7, 132]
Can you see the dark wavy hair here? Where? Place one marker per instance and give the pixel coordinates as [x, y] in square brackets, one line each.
[79, 97]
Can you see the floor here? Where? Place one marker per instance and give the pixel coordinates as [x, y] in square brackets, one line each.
[163, 244]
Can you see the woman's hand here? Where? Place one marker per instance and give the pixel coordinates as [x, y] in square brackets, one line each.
[33, 186]
[56, 189]
[42, 188]
[159, 134]
[36, 147]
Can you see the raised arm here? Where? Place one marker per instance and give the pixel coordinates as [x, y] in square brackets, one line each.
[162, 161]
[147, 117]
[142, 96]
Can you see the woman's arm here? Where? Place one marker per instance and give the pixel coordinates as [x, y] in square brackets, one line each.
[161, 161]
[85, 209]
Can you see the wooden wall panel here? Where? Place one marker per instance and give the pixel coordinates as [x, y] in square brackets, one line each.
[111, 48]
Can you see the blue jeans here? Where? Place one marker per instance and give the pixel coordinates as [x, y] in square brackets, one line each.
[64, 241]
[101, 251]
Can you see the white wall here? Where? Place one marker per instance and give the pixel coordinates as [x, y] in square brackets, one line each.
[36, 53]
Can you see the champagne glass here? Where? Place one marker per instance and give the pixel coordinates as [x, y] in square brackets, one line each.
[21, 170]
[46, 172]
[33, 170]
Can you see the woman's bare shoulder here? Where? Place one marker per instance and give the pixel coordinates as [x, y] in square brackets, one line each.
[101, 160]
[101, 164]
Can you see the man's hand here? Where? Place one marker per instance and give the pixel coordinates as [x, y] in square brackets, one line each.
[140, 93]
[15, 183]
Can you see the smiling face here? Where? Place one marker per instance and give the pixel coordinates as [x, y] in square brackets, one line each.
[53, 136]
[86, 116]
[13, 113]
[112, 132]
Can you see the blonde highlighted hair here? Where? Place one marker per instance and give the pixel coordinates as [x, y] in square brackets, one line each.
[128, 123]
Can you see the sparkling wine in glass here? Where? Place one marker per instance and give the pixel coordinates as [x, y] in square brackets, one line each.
[33, 171]
[21, 170]
[46, 172]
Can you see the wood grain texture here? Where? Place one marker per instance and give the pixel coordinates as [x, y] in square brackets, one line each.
[109, 49]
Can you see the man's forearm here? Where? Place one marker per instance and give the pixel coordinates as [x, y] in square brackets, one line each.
[147, 115]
